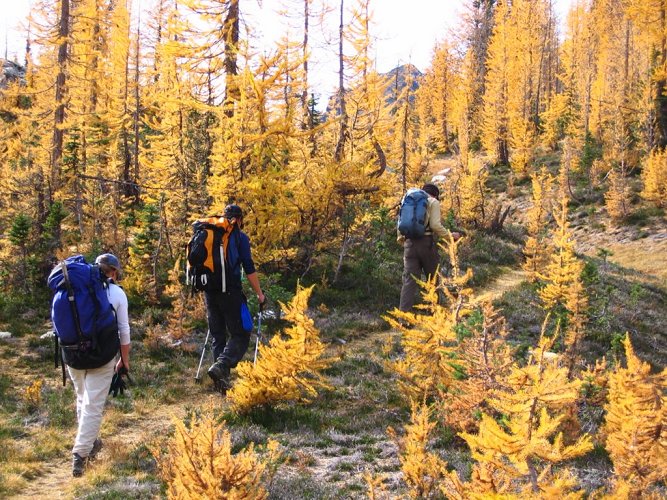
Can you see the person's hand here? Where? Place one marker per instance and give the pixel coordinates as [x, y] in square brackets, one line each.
[261, 299]
[122, 364]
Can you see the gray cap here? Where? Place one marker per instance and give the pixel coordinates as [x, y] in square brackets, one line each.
[109, 260]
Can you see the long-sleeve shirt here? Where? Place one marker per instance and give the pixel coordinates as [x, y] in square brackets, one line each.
[118, 300]
[432, 221]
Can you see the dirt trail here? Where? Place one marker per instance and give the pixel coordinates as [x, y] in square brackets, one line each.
[509, 279]
[56, 481]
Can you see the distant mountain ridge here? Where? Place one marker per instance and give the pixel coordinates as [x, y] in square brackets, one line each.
[398, 78]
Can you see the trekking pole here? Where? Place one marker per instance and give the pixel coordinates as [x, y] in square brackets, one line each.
[259, 334]
[201, 359]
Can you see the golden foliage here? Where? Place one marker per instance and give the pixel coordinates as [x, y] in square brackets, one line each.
[564, 269]
[32, 396]
[536, 249]
[199, 463]
[618, 193]
[423, 471]
[428, 342]
[471, 192]
[484, 358]
[375, 489]
[518, 452]
[427, 335]
[654, 176]
[636, 423]
[289, 368]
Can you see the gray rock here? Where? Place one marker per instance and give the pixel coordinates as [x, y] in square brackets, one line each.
[11, 71]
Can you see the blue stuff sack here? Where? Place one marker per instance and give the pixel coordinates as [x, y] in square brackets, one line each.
[246, 317]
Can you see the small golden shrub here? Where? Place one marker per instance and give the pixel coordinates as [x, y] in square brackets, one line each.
[199, 463]
[289, 368]
[32, 397]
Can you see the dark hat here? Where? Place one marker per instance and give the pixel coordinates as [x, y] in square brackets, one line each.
[233, 211]
[431, 189]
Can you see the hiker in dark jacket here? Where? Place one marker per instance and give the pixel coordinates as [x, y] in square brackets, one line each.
[421, 254]
[223, 308]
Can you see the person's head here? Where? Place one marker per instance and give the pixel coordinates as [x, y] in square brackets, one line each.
[431, 190]
[109, 265]
[234, 213]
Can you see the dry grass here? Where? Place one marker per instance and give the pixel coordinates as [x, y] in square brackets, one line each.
[647, 257]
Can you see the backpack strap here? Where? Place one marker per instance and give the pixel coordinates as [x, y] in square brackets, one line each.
[70, 299]
[58, 354]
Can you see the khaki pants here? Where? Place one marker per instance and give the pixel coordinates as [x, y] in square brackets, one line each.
[92, 388]
[418, 255]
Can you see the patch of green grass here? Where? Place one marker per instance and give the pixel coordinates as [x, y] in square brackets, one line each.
[346, 466]
[280, 419]
[486, 255]
[354, 365]
[643, 215]
[60, 407]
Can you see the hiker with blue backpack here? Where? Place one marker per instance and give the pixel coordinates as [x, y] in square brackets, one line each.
[90, 318]
[419, 228]
[216, 254]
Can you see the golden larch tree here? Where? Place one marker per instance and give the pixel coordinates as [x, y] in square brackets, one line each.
[654, 177]
[536, 249]
[636, 424]
[289, 368]
[199, 463]
[516, 456]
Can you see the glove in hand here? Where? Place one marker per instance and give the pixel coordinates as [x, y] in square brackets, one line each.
[118, 385]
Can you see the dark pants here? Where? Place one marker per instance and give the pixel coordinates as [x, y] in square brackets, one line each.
[418, 255]
[223, 311]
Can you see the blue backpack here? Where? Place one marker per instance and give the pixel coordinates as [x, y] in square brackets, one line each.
[412, 215]
[83, 319]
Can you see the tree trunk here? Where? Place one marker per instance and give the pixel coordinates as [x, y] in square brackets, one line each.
[661, 84]
[136, 114]
[61, 88]
[307, 123]
[230, 31]
[342, 132]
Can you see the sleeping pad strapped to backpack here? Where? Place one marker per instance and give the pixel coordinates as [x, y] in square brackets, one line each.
[412, 215]
[83, 319]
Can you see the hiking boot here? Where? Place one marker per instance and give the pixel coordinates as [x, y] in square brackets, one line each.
[78, 464]
[97, 447]
[219, 373]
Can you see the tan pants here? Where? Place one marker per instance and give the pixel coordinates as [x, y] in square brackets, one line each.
[418, 255]
[92, 388]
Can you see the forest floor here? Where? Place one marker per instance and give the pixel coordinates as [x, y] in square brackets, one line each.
[329, 445]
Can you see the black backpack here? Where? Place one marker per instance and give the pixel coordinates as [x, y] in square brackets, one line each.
[205, 266]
